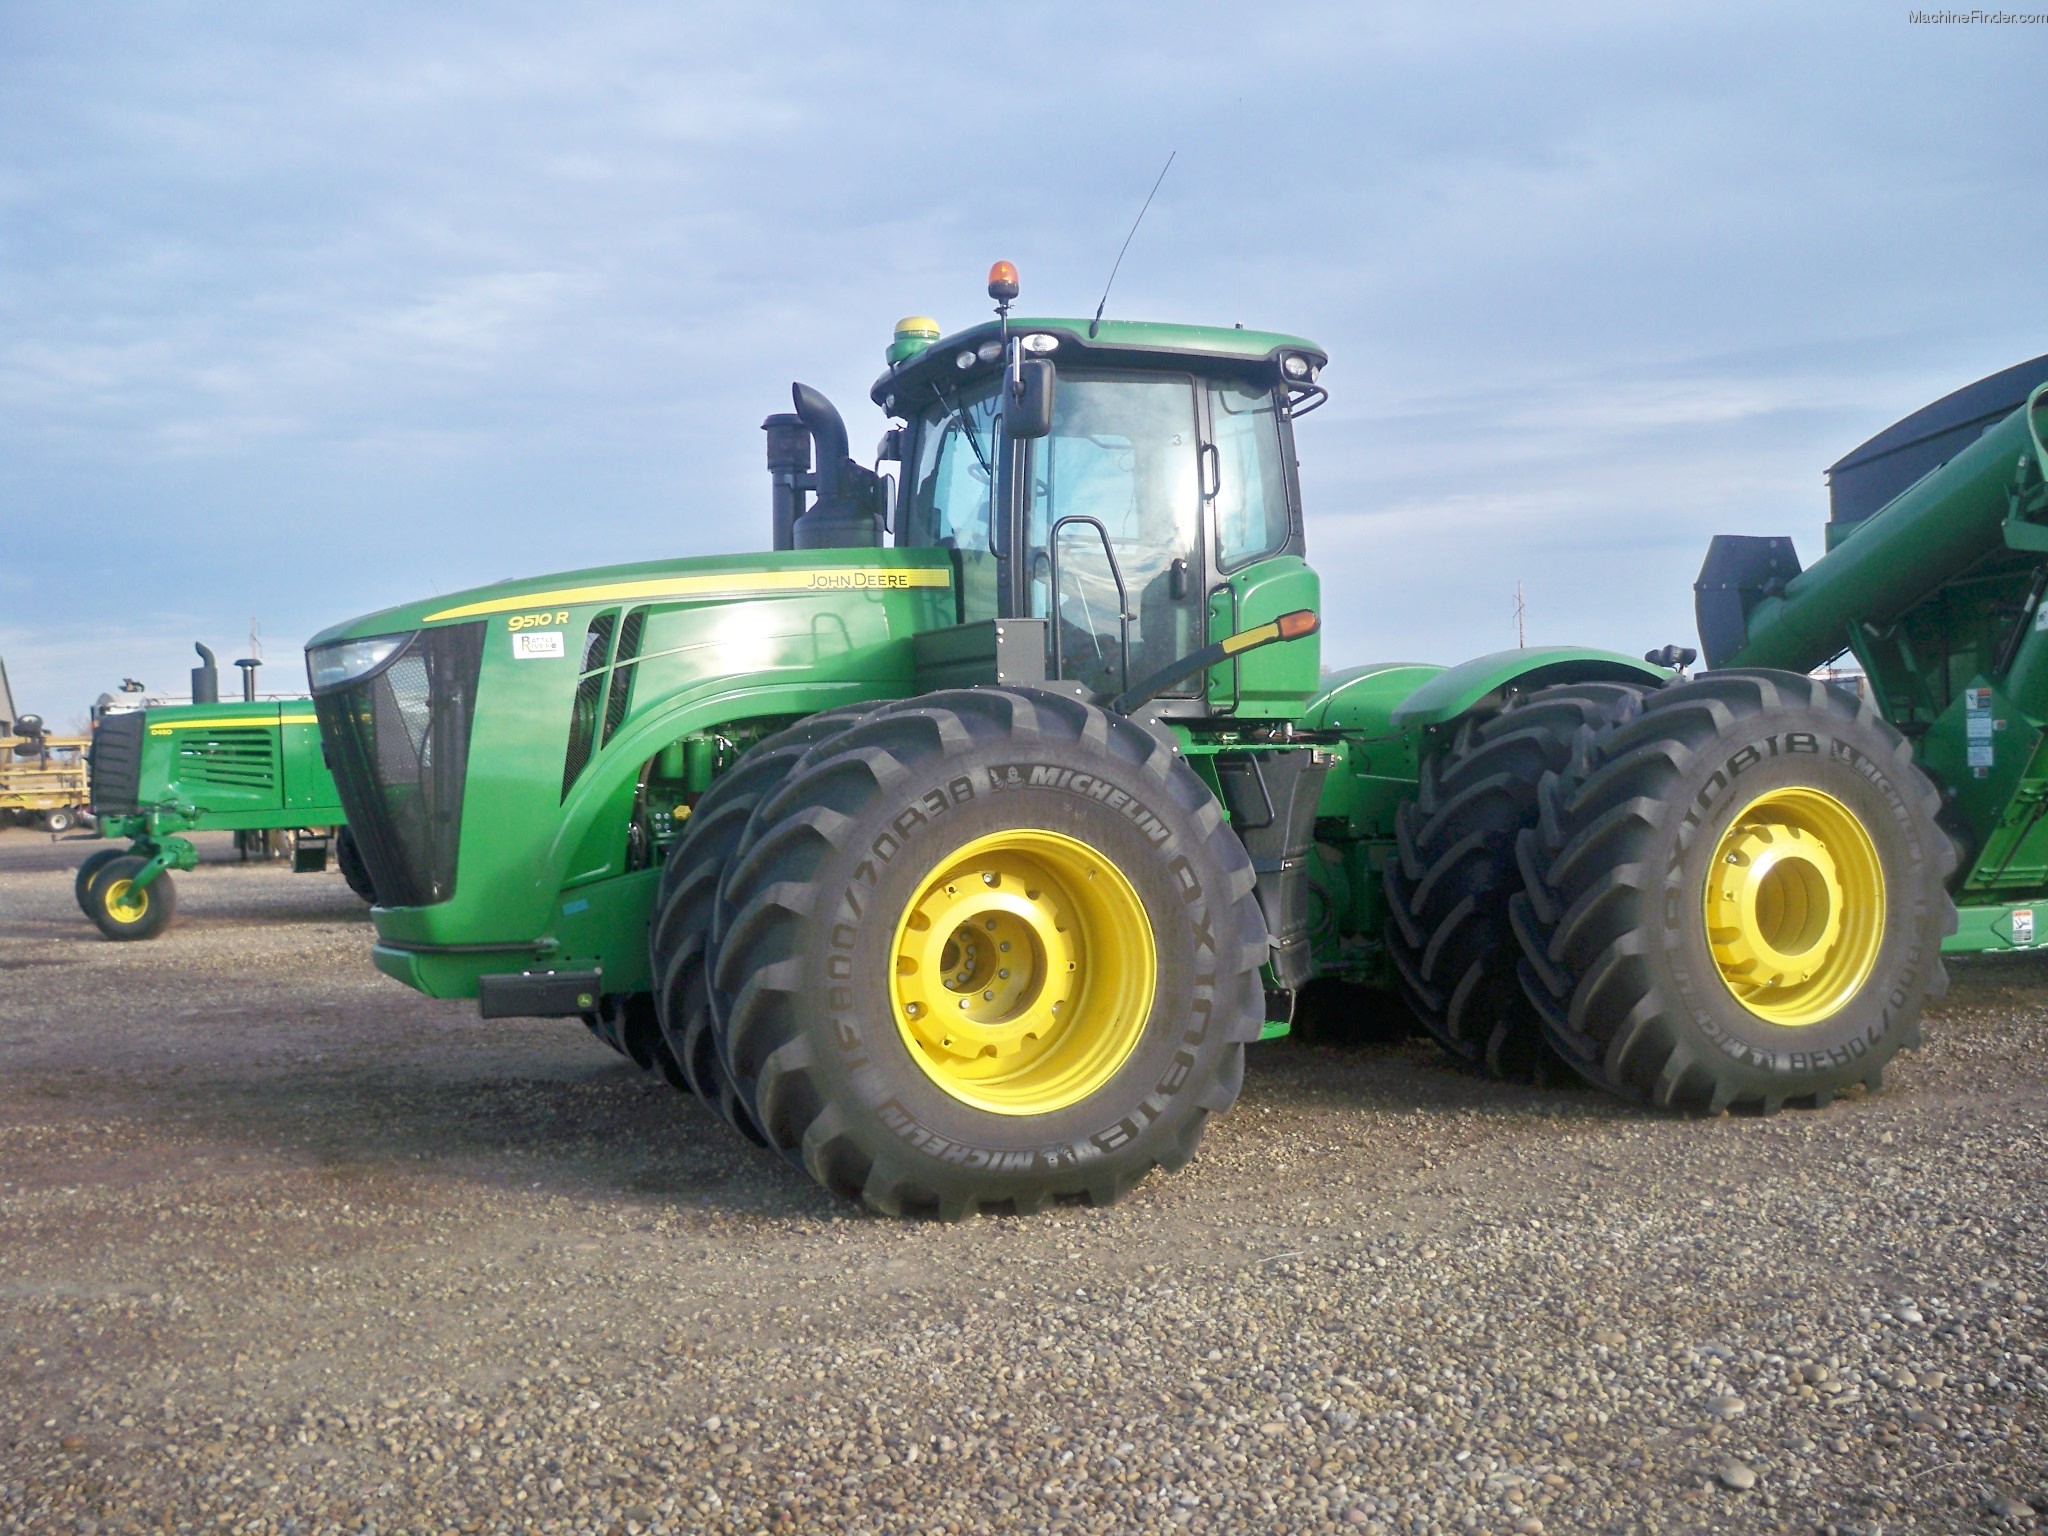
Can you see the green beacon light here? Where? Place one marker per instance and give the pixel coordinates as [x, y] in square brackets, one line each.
[913, 334]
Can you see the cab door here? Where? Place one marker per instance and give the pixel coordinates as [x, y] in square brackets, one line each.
[1253, 506]
[1113, 529]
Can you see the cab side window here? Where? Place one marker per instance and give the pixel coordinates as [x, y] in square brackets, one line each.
[949, 498]
[948, 504]
[1251, 492]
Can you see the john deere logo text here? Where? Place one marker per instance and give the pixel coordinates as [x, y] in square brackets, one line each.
[843, 581]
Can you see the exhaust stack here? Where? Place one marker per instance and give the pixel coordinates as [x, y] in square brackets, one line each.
[205, 677]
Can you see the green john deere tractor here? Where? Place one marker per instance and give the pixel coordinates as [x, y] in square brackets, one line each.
[957, 848]
[251, 767]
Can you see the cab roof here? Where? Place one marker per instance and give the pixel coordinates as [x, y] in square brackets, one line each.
[1140, 343]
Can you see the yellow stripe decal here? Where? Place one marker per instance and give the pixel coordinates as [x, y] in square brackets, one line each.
[209, 725]
[841, 578]
[1257, 635]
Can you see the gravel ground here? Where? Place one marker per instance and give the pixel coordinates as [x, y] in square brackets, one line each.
[285, 1247]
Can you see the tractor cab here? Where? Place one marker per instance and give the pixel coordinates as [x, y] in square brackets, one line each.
[1109, 480]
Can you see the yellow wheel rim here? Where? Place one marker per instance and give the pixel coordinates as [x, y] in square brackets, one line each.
[1024, 970]
[1795, 906]
[126, 903]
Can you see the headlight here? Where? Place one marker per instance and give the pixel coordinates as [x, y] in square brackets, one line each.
[332, 665]
[1295, 367]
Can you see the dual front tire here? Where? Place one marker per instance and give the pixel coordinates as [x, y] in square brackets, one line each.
[355, 869]
[980, 950]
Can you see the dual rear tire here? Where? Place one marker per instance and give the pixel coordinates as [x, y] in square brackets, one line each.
[1727, 893]
[1740, 903]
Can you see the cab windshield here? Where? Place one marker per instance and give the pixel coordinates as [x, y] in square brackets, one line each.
[1122, 487]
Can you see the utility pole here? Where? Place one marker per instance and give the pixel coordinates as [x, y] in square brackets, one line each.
[1521, 614]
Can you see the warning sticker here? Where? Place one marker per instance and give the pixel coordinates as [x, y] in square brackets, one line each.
[537, 643]
[2023, 926]
[1977, 727]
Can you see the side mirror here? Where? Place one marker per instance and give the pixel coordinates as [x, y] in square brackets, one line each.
[890, 449]
[1028, 412]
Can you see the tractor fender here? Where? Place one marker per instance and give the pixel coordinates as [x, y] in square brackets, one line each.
[1454, 690]
[1360, 701]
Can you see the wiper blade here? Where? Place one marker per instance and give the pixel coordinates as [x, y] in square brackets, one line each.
[959, 417]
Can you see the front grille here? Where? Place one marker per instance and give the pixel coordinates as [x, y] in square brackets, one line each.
[398, 742]
[115, 764]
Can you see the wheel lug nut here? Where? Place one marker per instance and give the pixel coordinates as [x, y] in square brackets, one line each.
[988, 877]
[988, 997]
[990, 925]
[1002, 975]
[1004, 946]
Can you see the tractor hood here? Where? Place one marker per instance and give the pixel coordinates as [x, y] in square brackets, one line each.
[706, 579]
[492, 746]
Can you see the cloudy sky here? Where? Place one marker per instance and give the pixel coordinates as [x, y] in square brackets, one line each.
[309, 309]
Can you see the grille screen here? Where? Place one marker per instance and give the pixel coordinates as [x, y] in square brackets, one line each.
[116, 764]
[582, 729]
[589, 696]
[597, 643]
[398, 742]
[238, 757]
[621, 697]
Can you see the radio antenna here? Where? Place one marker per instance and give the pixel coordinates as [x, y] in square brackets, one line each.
[1096, 324]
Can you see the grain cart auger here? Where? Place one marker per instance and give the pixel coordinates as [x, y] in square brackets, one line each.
[956, 848]
[252, 767]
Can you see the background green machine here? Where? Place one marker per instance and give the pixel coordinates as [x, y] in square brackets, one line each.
[251, 767]
[961, 869]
